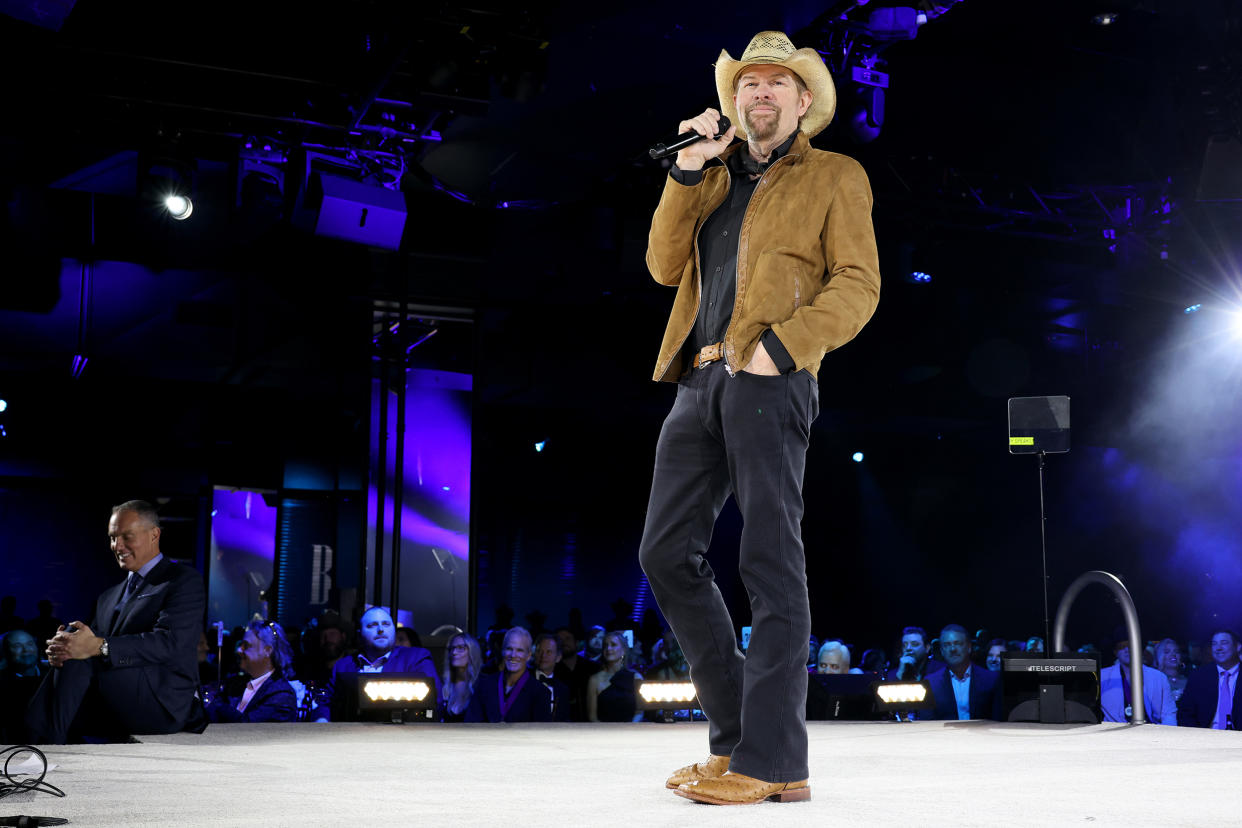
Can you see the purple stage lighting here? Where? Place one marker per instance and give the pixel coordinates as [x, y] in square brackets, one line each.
[920, 276]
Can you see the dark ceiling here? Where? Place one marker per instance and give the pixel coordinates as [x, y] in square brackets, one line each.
[1044, 167]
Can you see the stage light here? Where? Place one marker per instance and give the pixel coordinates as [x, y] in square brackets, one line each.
[4, 404]
[654, 692]
[858, 457]
[445, 488]
[920, 277]
[179, 207]
[1193, 308]
[893, 696]
[1105, 19]
[668, 698]
[539, 446]
[396, 690]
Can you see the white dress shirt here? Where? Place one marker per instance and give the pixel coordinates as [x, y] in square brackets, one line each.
[252, 687]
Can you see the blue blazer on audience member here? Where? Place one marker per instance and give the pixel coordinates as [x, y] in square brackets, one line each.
[1197, 707]
[1157, 696]
[274, 701]
[533, 702]
[985, 695]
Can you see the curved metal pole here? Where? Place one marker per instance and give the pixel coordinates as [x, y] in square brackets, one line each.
[1122, 595]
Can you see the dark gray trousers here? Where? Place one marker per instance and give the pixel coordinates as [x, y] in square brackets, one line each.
[746, 435]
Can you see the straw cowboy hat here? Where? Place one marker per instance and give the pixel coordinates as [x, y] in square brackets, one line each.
[775, 48]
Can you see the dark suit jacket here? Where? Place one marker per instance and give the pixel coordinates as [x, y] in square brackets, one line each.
[559, 694]
[1197, 706]
[929, 670]
[985, 695]
[274, 701]
[152, 643]
[533, 702]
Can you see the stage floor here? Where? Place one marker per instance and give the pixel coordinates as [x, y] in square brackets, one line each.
[863, 774]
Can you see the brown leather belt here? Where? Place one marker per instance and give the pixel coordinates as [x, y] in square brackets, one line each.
[709, 354]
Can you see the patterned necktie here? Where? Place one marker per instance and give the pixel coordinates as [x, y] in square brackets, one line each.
[1224, 703]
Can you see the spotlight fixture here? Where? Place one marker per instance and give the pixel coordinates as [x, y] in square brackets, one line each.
[4, 405]
[897, 696]
[668, 697]
[857, 457]
[393, 695]
[540, 445]
[179, 207]
[1194, 308]
[1105, 19]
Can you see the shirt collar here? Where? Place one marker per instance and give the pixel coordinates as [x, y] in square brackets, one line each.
[256, 683]
[1233, 671]
[965, 675]
[379, 662]
[740, 162]
[146, 568]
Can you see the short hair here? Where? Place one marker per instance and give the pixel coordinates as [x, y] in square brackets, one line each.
[549, 637]
[522, 631]
[270, 634]
[143, 509]
[919, 631]
[955, 628]
[997, 641]
[1227, 632]
[833, 646]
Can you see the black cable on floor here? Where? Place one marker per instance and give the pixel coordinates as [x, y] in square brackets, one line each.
[11, 786]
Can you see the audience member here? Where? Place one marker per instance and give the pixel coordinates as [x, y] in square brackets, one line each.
[1034, 644]
[133, 670]
[379, 654]
[1115, 696]
[1211, 696]
[267, 659]
[996, 647]
[916, 662]
[9, 619]
[673, 666]
[1169, 661]
[44, 625]
[1197, 656]
[611, 694]
[874, 662]
[594, 647]
[547, 657]
[19, 680]
[21, 655]
[834, 658]
[575, 671]
[512, 695]
[407, 637]
[331, 643]
[812, 653]
[463, 664]
[962, 692]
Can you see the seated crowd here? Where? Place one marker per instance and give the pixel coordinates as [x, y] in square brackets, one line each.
[264, 673]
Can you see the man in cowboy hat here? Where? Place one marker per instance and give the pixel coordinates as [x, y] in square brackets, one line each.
[774, 258]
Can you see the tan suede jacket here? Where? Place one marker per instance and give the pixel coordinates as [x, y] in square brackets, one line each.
[807, 265]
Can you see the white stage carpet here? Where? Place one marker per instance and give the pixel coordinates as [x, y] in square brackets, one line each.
[862, 774]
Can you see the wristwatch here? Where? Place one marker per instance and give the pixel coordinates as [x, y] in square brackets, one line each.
[103, 647]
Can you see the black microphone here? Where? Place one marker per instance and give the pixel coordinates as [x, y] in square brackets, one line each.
[684, 140]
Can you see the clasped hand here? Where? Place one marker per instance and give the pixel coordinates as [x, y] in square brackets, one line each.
[75, 641]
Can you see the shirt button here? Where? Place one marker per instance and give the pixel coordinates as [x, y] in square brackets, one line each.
[725, 233]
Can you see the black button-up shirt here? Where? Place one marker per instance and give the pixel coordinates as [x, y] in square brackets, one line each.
[718, 243]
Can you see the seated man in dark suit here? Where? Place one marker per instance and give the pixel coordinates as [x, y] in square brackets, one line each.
[512, 695]
[547, 657]
[267, 659]
[963, 691]
[1211, 697]
[19, 678]
[379, 654]
[916, 662]
[134, 670]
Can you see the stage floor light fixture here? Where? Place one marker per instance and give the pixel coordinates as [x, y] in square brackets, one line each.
[667, 697]
[903, 696]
